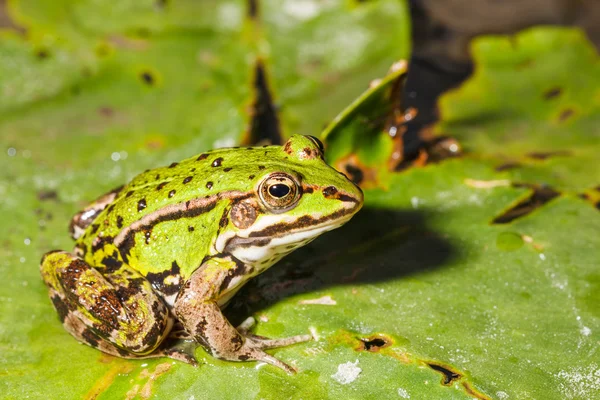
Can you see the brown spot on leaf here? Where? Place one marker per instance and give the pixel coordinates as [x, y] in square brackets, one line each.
[507, 166]
[541, 155]
[540, 196]
[148, 78]
[552, 93]
[374, 343]
[565, 114]
[449, 375]
[264, 122]
[45, 195]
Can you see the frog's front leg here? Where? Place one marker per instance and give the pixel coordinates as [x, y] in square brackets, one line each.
[116, 312]
[197, 308]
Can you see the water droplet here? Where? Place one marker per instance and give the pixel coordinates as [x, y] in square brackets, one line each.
[11, 151]
[27, 241]
[115, 156]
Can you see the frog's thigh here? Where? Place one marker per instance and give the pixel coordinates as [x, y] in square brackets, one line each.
[117, 312]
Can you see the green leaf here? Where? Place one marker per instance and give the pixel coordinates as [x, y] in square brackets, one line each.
[420, 296]
[513, 221]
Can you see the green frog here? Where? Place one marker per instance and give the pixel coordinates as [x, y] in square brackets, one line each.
[161, 256]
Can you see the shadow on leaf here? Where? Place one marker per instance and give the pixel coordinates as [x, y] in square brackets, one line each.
[375, 246]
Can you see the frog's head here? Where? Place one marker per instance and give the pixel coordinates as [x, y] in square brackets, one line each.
[296, 197]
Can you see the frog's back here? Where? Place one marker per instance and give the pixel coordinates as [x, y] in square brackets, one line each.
[167, 219]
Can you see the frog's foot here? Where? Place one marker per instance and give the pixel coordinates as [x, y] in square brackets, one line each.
[116, 312]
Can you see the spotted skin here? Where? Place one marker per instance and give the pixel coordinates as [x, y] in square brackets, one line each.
[174, 245]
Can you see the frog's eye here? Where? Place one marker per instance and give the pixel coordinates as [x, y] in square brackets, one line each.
[318, 143]
[279, 192]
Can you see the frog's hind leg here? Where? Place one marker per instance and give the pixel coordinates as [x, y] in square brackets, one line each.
[116, 312]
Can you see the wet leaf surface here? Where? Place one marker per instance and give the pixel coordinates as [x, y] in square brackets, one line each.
[420, 296]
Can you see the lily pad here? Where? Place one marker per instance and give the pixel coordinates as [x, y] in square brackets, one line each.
[420, 296]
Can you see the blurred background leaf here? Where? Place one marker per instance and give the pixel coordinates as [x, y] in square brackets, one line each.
[472, 271]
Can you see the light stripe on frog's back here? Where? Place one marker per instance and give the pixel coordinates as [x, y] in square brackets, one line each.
[125, 240]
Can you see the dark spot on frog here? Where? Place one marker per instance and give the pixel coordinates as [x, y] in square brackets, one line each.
[157, 280]
[261, 167]
[227, 169]
[356, 174]
[90, 337]
[172, 193]
[112, 264]
[110, 208]
[251, 177]
[119, 221]
[154, 334]
[193, 170]
[187, 180]
[237, 340]
[161, 185]
[122, 353]
[107, 310]
[374, 343]
[141, 205]
[45, 195]
[128, 194]
[552, 93]
[94, 228]
[330, 191]
[61, 308]
[147, 235]
[173, 165]
[147, 78]
[190, 229]
[157, 177]
[449, 376]
[99, 242]
[565, 114]
[217, 162]
[224, 220]
[201, 327]
[202, 156]
[131, 289]
[540, 196]
[209, 185]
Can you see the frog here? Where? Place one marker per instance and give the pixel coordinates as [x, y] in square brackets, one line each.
[158, 259]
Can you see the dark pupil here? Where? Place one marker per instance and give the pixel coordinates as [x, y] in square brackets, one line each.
[279, 190]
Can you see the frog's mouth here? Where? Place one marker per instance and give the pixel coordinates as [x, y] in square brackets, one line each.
[291, 234]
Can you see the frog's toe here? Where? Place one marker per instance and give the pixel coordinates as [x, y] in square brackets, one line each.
[182, 355]
[263, 343]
